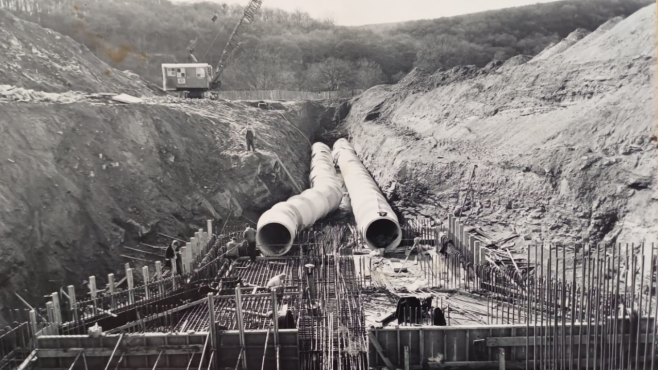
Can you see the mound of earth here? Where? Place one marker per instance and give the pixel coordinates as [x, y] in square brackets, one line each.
[564, 146]
[563, 45]
[37, 58]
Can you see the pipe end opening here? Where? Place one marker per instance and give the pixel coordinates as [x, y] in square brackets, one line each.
[382, 233]
[274, 238]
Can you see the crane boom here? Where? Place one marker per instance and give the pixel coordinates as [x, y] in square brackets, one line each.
[234, 40]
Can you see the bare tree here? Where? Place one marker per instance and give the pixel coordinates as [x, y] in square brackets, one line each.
[332, 74]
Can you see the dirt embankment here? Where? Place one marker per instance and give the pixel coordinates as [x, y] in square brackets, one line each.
[564, 144]
[82, 177]
[80, 181]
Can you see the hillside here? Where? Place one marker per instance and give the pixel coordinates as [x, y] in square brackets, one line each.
[296, 52]
[564, 143]
[84, 178]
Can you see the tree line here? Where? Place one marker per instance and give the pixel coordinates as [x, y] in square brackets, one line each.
[293, 51]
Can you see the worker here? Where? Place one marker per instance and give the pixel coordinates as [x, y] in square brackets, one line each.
[250, 137]
[276, 284]
[276, 281]
[173, 252]
[249, 235]
[232, 249]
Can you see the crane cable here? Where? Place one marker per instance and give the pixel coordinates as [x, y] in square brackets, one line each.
[211, 44]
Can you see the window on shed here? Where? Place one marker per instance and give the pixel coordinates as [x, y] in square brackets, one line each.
[200, 72]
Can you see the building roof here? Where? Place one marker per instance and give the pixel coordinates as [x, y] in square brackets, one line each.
[185, 65]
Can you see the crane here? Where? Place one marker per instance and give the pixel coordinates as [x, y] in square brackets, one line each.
[196, 79]
[234, 41]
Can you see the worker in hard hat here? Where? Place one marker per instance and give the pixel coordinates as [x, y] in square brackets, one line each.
[249, 235]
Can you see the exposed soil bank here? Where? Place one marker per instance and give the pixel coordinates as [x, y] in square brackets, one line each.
[80, 181]
[564, 144]
[81, 177]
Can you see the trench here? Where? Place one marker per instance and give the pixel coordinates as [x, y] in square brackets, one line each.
[195, 183]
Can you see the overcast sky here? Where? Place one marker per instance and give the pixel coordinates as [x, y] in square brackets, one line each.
[360, 12]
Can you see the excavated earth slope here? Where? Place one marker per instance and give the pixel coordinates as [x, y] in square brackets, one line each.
[83, 177]
[564, 144]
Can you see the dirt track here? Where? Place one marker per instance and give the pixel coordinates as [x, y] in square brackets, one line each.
[564, 144]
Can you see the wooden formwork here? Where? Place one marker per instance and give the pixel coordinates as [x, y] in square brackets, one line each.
[168, 351]
[483, 346]
[123, 351]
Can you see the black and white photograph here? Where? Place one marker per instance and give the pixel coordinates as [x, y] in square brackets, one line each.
[328, 185]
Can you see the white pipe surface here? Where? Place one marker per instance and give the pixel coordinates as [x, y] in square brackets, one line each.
[278, 226]
[374, 217]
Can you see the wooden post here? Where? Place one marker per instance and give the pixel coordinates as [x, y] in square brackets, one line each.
[451, 223]
[111, 283]
[194, 241]
[145, 274]
[421, 339]
[477, 253]
[211, 318]
[238, 311]
[406, 358]
[468, 343]
[93, 292]
[471, 247]
[209, 228]
[57, 308]
[453, 231]
[131, 286]
[275, 317]
[465, 235]
[460, 236]
[202, 242]
[73, 306]
[158, 276]
[50, 312]
[190, 255]
[184, 260]
[33, 323]
[174, 271]
[501, 358]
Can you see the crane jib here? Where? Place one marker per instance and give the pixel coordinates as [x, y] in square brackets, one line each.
[234, 40]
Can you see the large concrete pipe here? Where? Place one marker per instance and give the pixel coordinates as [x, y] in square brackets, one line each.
[374, 217]
[278, 227]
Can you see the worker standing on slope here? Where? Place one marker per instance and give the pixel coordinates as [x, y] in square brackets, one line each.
[250, 137]
[250, 236]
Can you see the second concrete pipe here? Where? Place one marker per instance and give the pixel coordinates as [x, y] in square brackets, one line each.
[278, 226]
[374, 216]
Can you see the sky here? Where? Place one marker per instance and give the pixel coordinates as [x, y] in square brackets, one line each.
[362, 12]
